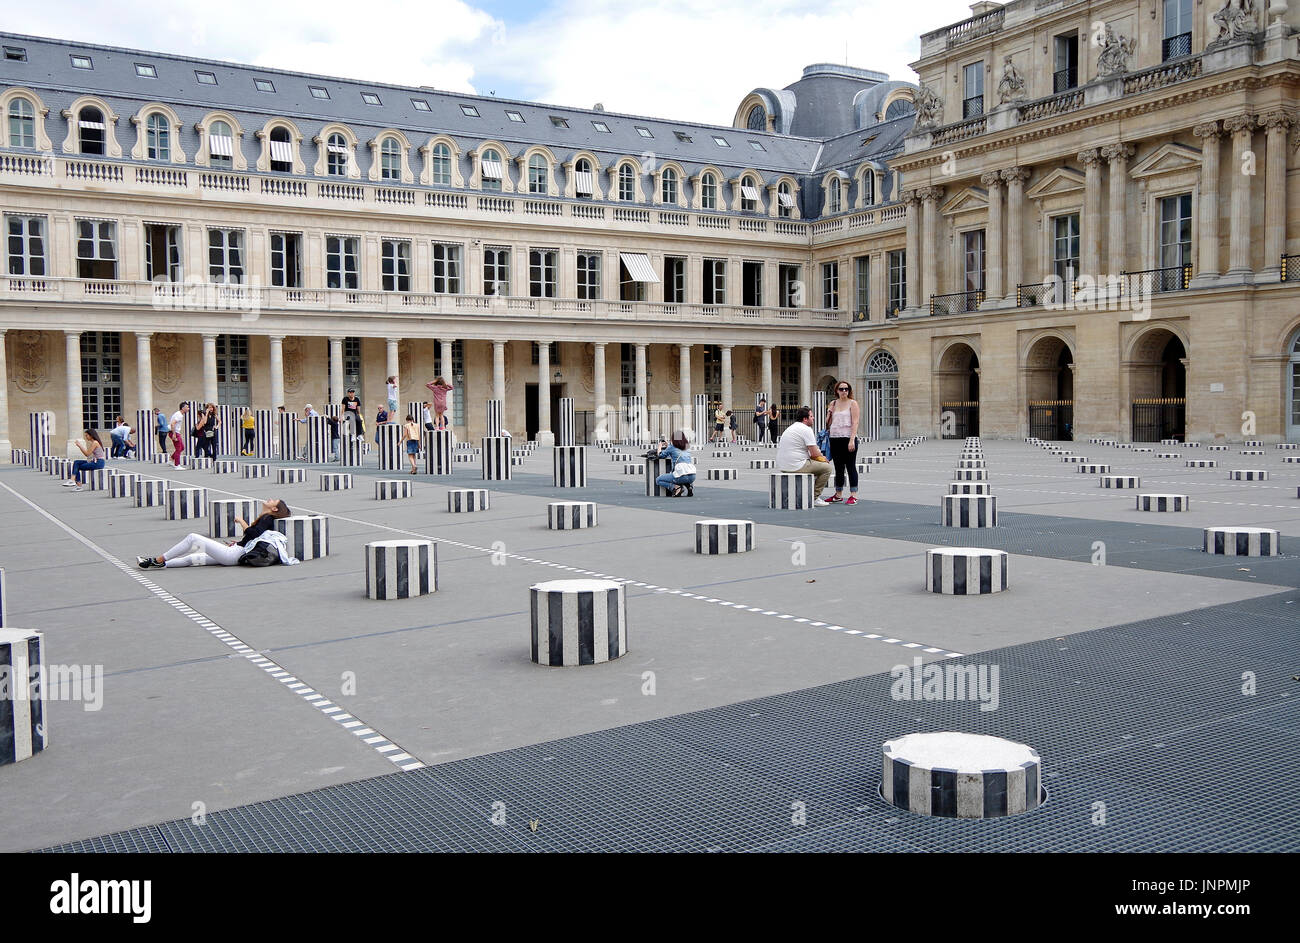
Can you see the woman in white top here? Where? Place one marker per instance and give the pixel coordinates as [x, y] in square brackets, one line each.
[842, 424]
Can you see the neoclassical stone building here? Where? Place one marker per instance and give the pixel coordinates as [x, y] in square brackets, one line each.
[1077, 222]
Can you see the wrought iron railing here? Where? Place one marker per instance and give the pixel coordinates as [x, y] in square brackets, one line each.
[1175, 46]
[959, 420]
[1157, 418]
[1156, 280]
[1290, 268]
[958, 302]
[1064, 79]
[1052, 419]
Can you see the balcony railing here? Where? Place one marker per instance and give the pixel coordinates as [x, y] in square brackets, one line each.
[1033, 294]
[1155, 280]
[1174, 47]
[959, 302]
[960, 131]
[1167, 73]
[972, 107]
[967, 30]
[1290, 268]
[1064, 79]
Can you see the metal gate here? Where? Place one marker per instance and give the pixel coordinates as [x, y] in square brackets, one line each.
[1052, 419]
[964, 421]
[1156, 419]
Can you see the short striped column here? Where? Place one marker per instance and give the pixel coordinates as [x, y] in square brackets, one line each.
[122, 484]
[392, 450]
[1169, 442]
[1242, 541]
[1217, 448]
[263, 434]
[335, 481]
[225, 466]
[1119, 481]
[570, 515]
[969, 510]
[257, 470]
[788, 491]
[291, 476]
[720, 453]
[1143, 448]
[654, 467]
[437, 452]
[569, 466]
[1252, 444]
[965, 571]
[289, 426]
[971, 474]
[1126, 445]
[1094, 468]
[762, 463]
[200, 462]
[1169, 455]
[21, 457]
[1074, 459]
[1288, 446]
[1248, 474]
[39, 428]
[1252, 452]
[719, 537]
[968, 487]
[351, 446]
[222, 513]
[184, 504]
[1201, 463]
[401, 569]
[60, 467]
[578, 622]
[467, 500]
[1191, 445]
[496, 457]
[565, 434]
[971, 463]
[465, 458]
[1163, 502]
[620, 456]
[318, 441]
[960, 775]
[392, 489]
[161, 459]
[97, 479]
[150, 492]
[493, 426]
[1291, 459]
[722, 474]
[308, 535]
[24, 721]
[634, 468]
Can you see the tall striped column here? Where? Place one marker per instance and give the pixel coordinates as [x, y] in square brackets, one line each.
[229, 432]
[391, 449]
[146, 435]
[493, 426]
[638, 420]
[761, 397]
[870, 415]
[496, 457]
[22, 695]
[566, 434]
[819, 410]
[703, 421]
[288, 437]
[318, 440]
[191, 417]
[437, 452]
[263, 435]
[40, 426]
[415, 410]
[570, 466]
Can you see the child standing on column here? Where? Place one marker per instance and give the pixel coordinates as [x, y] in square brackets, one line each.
[439, 388]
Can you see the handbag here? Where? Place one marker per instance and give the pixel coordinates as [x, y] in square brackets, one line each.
[682, 469]
[259, 555]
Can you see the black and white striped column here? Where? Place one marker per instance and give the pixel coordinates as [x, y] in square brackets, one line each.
[96, 479]
[761, 463]
[467, 500]
[415, 410]
[222, 513]
[1119, 481]
[1201, 463]
[965, 571]
[39, 427]
[570, 466]
[186, 503]
[819, 410]
[493, 426]
[971, 463]
[391, 489]
[20, 457]
[351, 445]
[150, 492]
[1163, 502]
[23, 717]
[1248, 474]
[566, 434]
[1094, 468]
[401, 569]
[570, 515]
[318, 441]
[146, 434]
[969, 487]
[288, 437]
[720, 453]
[228, 432]
[578, 622]
[263, 434]
[718, 537]
[722, 474]
[790, 492]
[122, 484]
[292, 476]
[970, 474]
[392, 450]
[654, 467]
[257, 470]
[637, 421]
[960, 775]
[225, 466]
[335, 481]
[703, 426]
[634, 468]
[496, 456]
[438, 452]
[969, 510]
[1242, 541]
[200, 462]
[308, 535]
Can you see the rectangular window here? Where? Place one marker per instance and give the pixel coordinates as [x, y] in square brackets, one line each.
[15, 53]
[897, 282]
[446, 268]
[757, 145]
[973, 100]
[22, 124]
[674, 279]
[559, 122]
[541, 272]
[790, 281]
[644, 132]
[158, 138]
[343, 262]
[82, 62]
[226, 256]
[264, 85]
[469, 111]
[496, 270]
[1176, 231]
[318, 92]
[831, 285]
[96, 249]
[751, 284]
[715, 282]
[395, 265]
[232, 370]
[370, 98]
[1066, 73]
[162, 253]
[1177, 34]
[352, 361]
[419, 104]
[553, 353]
[1065, 248]
[627, 370]
[601, 127]
[25, 245]
[458, 373]
[683, 137]
[514, 116]
[205, 78]
[286, 259]
[862, 286]
[720, 141]
[589, 265]
[101, 378]
[973, 260]
[145, 71]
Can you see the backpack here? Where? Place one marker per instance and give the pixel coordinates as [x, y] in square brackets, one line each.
[259, 555]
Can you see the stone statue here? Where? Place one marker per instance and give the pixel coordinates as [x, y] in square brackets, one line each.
[1011, 87]
[929, 108]
[1115, 50]
[1236, 20]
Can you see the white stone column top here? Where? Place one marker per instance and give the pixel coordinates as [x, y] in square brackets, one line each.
[963, 752]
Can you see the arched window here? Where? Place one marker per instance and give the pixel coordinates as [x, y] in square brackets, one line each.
[390, 159]
[899, 108]
[442, 165]
[709, 192]
[281, 151]
[836, 197]
[784, 200]
[158, 138]
[748, 194]
[668, 186]
[757, 119]
[868, 188]
[626, 183]
[336, 156]
[492, 170]
[90, 131]
[882, 386]
[583, 179]
[22, 123]
[221, 145]
[538, 175]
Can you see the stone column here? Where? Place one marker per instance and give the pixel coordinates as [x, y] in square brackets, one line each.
[336, 370]
[210, 368]
[1117, 241]
[640, 374]
[544, 434]
[1276, 126]
[771, 394]
[600, 397]
[499, 370]
[1240, 127]
[1090, 231]
[726, 378]
[993, 284]
[277, 371]
[684, 368]
[445, 368]
[930, 197]
[391, 368]
[5, 443]
[1015, 178]
[1207, 227]
[805, 376]
[912, 203]
[72, 356]
[144, 371]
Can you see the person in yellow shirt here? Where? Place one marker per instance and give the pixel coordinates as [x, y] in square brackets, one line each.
[248, 422]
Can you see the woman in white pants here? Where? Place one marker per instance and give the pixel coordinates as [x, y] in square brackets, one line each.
[198, 550]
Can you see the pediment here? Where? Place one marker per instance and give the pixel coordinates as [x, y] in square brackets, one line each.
[966, 200]
[1060, 180]
[1168, 158]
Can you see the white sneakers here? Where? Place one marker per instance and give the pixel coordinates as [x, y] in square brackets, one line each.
[820, 503]
[69, 484]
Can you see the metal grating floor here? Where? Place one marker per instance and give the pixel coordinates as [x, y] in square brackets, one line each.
[1147, 718]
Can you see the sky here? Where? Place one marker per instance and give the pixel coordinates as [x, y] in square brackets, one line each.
[692, 61]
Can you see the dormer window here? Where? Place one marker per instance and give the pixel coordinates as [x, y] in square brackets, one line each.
[15, 54]
[469, 111]
[720, 141]
[749, 195]
[601, 127]
[336, 156]
[82, 62]
[644, 132]
[683, 137]
[835, 198]
[158, 138]
[205, 78]
[493, 171]
[221, 145]
[370, 98]
[317, 92]
[514, 116]
[281, 151]
[668, 186]
[90, 131]
[583, 182]
[538, 172]
[626, 184]
[390, 160]
[145, 71]
[441, 165]
[22, 123]
[784, 201]
[558, 122]
[264, 85]
[419, 104]
[709, 192]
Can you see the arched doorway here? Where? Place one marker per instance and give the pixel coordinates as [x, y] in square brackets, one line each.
[959, 392]
[1293, 392]
[1158, 375]
[1049, 385]
[879, 400]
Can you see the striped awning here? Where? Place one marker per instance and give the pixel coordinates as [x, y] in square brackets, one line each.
[493, 170]
[583, 183]
[99, 125]
[785, 199]
[336, 148]
[750, 193]
[638, 266]
[282, 151]
[221, 146]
